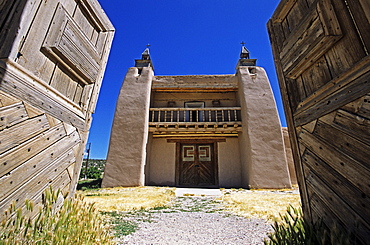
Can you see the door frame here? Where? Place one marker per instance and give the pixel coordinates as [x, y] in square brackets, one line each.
[213, 142]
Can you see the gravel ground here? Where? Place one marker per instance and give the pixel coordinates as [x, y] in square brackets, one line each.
[194, 220]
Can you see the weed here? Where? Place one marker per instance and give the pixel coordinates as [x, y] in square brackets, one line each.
[294, 229]
[58, 222]
[121, 227]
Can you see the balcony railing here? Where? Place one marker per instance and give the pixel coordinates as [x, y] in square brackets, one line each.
[195, 115]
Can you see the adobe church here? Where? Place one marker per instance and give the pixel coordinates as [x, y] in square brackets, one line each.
[197, 130]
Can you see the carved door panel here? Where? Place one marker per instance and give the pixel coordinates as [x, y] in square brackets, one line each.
[321, 50]
[197, 165]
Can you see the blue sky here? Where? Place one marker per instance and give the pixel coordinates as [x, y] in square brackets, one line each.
[186, 37]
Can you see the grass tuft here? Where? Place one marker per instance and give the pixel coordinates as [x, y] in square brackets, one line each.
[57, 222]
[294, 229]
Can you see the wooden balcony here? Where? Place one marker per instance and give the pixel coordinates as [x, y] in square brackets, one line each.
[216, 120]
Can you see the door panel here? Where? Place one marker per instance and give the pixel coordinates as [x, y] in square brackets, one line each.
[323, 65]
[197, 165]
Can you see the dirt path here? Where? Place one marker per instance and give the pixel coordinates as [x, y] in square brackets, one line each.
[193, 220]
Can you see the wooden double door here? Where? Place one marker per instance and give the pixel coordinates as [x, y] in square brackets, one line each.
[197, 165]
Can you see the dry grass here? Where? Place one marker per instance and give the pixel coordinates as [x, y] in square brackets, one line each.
[260, 204]
[129, 198]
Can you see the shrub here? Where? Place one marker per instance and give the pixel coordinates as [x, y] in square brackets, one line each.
[70, 222]
[294, 229]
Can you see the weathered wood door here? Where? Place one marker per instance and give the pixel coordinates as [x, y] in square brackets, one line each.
[197, 165]
[52, 60]
[321, 50]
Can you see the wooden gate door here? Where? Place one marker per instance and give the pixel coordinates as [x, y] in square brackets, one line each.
[197, 165]
[321, 50]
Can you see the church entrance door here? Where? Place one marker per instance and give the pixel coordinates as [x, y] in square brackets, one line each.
[197, 165]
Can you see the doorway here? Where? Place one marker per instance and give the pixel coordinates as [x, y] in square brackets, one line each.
[197, 165]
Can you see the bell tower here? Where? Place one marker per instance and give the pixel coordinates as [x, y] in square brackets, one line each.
[127, 147]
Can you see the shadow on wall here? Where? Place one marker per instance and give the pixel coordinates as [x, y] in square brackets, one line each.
[11, 13]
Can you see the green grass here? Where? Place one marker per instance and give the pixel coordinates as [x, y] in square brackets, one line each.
[121, 227]
[85, 185]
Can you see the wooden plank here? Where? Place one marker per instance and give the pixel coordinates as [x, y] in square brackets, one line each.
[55, 174]
[364, 109]
[78, 94]
[313, 38]
[289, 117]
[6, 99]
[86, 96]
[337, 93]
[328, 18]
[71, 90]
[296, 13]
[321, 212]
[68, 128]
[60, 80]
[310, 2]
[360, 107]
[348, 167]
[98, 16]
[310, 127]
[344, 142]
[282, 10]
[102, 42]
[19, 83]
[38, 163]
[365, 4]
[362, 22]
[18, 155]
[83, 23]
[71, 47]
[52, 120]
[11, 137]
[344, 190]
[353, 221]
[6, 7]
[78, 151]
[32, 111]
[34, 60]
[356, 126]
[349, 50]
[298, 35]
[295, 98]
[11, 35]
[12, 114]
[315, 76]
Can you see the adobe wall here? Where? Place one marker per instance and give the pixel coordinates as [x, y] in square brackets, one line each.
[289, 156]
[229, 168]
[127, 149]
[261, 142]
[161, 163]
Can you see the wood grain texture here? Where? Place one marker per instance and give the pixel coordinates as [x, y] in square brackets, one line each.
[326, 100]
[18, 155]
[34, 165]
[55, 175]
[46, 100]
[21, 132]
[12, 114]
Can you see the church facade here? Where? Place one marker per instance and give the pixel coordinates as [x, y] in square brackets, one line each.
[197, 130]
